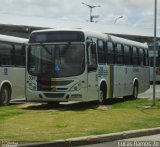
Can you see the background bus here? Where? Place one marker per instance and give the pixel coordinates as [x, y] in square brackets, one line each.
[12, 68]
[151, 56]
[78, 65]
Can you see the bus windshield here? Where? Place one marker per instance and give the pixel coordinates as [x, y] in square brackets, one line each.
[56, 60]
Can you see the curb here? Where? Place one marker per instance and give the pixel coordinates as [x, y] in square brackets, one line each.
[94, 138]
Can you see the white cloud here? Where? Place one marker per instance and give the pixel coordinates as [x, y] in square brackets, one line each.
[134, 12]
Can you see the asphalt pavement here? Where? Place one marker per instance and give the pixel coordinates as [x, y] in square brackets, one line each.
[145, 141]
[149, 92]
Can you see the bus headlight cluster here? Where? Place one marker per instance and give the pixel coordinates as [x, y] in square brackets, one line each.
[76, 87]
[32, 86]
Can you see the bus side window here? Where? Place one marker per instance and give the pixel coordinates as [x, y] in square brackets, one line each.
[127, 55]
[19, 55]
[134, 56]
[141, 57]
[6, 54]
[144, 59]
[119, 54]
[110, 52]
[147, 57]
[101, 49]
[151, 61]
[158, 62]
[91, 54]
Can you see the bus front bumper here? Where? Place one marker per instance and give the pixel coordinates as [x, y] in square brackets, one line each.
[39, 96]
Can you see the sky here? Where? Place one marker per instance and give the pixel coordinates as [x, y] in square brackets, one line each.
[139, 13]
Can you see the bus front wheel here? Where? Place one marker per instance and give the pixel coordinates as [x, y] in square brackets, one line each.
[5, 95]
[102, 96]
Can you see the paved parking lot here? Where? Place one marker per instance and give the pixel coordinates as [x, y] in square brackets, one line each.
[149, 92]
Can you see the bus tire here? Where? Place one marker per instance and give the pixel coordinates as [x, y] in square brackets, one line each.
[135, 91]
[102, 95]
[5, 95]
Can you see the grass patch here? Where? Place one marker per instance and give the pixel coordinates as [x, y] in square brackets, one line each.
[7, 115]
[135, 103]
[40, 122]
[97, 132]
[7, 112]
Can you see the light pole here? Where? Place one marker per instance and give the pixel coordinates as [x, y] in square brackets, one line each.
[91, 7]
[154, 59]
[117, 19]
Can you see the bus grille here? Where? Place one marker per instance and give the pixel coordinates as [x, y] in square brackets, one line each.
[54, 95]
[49, 84]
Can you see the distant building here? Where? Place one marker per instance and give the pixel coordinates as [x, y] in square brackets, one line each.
[22, 26]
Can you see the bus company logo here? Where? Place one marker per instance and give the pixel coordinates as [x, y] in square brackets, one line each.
[5, 71]
[135, 69]
[102, 72]
[57, 68]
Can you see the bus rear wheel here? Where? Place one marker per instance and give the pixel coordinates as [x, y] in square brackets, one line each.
[5, 95]
[135, 92]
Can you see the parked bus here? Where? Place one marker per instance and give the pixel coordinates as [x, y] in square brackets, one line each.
[78, 65]
[151, 56]
[12, 68]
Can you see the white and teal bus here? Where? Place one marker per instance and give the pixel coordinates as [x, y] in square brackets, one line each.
[79, 65]
[12, 68]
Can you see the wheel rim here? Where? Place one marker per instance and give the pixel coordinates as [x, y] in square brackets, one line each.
[101, 95]
[5, 96]
[135, 92]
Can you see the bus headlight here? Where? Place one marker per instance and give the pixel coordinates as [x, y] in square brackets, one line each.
[76, 87]
[32, 86]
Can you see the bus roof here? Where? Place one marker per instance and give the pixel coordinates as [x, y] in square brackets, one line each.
[6, 38]
[126, 41]
[100, 35]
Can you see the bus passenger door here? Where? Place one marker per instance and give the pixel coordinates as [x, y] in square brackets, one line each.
[92, 80]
